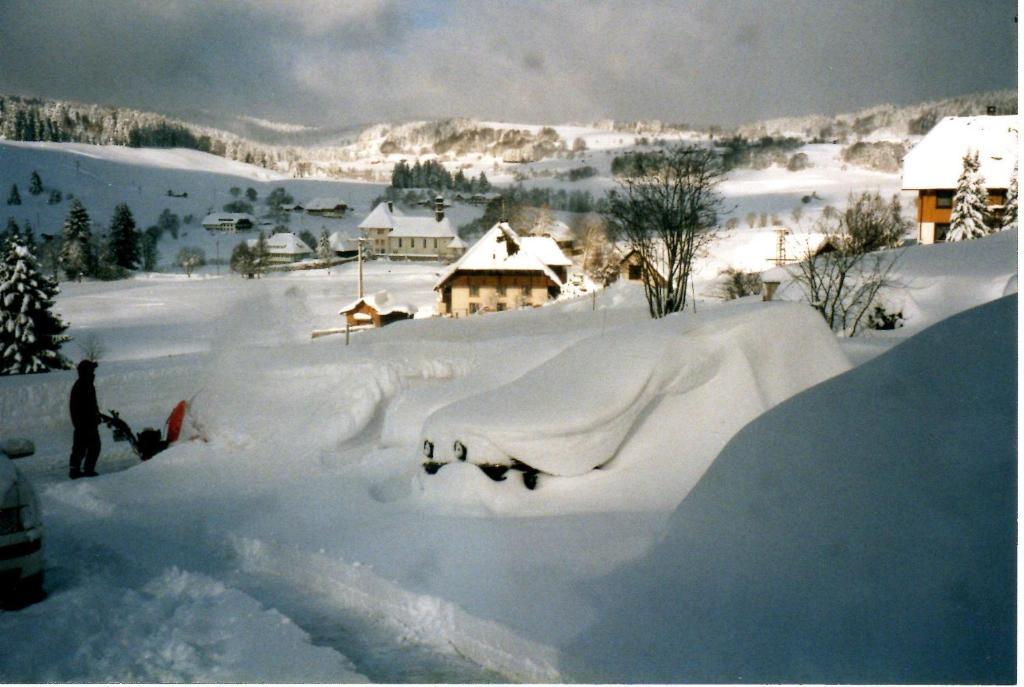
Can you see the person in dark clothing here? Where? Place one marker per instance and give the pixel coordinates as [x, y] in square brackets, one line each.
[85, 416]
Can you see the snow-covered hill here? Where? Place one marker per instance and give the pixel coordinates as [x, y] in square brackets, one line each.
[104, 176]
[368, 152]
[883, 122]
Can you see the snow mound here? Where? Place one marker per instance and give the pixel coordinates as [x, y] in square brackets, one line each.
[594, 404]
[180, 627]
[862, 532]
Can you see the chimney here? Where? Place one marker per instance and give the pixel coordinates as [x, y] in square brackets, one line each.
[391, 206]
[990, 110]
[439, 208]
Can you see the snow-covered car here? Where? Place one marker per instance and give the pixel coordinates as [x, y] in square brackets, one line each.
[572, 414]
[21, 531]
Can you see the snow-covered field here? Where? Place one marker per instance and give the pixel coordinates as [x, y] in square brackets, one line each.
[769, 506]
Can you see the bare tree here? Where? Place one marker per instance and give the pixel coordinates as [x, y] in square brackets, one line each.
[873, 224]
[190, 258]
[92, 347]
[665, 210]
[843, 277]
[736, 284]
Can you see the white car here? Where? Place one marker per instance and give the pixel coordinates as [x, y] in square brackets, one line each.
[21, 531]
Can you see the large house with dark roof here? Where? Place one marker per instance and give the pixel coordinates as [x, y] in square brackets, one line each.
[406, 237]
[933, 166]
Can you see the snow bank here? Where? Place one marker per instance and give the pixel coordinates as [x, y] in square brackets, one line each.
[864, 531]
[180, 627]
[651, 402]
[933, 282]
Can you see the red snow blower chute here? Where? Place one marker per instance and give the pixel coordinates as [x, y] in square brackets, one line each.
[149, 441]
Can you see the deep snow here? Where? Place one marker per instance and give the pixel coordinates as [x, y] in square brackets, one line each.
[861, 532]
[324, 552]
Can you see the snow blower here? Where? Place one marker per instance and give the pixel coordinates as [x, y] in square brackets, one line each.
[149, 441]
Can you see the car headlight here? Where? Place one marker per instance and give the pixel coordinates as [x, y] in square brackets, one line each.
[29, 515]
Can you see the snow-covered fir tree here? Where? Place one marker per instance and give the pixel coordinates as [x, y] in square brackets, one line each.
[76, 248]
[14, 198]
[1009, 219]
[11, 230]
[323, 248]
[35, 184]
[30, 333]
[124, 238]
[969, 219]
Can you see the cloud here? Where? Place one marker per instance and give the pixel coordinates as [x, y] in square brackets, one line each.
[328, 62]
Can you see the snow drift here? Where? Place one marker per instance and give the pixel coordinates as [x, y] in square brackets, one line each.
[668, 392]
[864, 531]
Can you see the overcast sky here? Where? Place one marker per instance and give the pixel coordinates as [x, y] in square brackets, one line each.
[322, 62]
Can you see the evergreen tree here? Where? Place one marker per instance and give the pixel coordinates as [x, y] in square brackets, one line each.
[251, 194]
[76, 256]
[150, 254]
[55, 197]
[1009, 219]
[35, 184]
[169, 222]
[482, 184]
[11, 231]
[969, 219]
[14, 198]
[324, 250]
[124, 238]
[30, 334]
[29, 236]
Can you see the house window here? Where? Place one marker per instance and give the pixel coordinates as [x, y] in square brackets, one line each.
[473, 307]
[501, 307]
[399, 243]
[940, 232]
[501, 289]
[944, 199]
[474, 290]
[424, 243]
[634, 273]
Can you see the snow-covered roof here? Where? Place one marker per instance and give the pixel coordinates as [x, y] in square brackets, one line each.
[380, 218]
[217, 218]
[546, 248]
[421, 227]
[502, 249]
[284, 243]
[342, 241]
[457, 243]
[937, 160]
[556, 229]
[381, 302]
[325, 203]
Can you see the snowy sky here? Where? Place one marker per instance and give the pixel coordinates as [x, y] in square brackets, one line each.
[322, 62]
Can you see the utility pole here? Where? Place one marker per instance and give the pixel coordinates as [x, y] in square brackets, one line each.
[359, 245]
